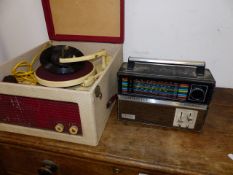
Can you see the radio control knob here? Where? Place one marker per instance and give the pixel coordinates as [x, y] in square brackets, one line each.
[59, 127]
[197, 94]
[73, 130]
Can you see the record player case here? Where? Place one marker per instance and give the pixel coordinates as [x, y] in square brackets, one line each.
[38, 110]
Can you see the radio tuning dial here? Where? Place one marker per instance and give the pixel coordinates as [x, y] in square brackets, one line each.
[197, 94]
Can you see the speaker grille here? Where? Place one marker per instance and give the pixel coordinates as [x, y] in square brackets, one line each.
[39, 113]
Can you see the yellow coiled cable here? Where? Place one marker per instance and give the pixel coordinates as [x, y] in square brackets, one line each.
[23, 71]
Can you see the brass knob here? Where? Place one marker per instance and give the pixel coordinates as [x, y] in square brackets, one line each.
[59, 127]
[73, 130]
[116, 170]
[48, 168]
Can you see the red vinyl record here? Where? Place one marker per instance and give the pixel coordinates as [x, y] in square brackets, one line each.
[46, 78]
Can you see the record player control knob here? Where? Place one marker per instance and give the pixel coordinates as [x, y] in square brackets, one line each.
[73, 130]
[59, 127]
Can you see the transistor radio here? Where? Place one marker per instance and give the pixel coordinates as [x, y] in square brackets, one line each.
[165, 92]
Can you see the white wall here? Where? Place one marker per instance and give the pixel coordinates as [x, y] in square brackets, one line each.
[183, 29]
[170, 29]
[22, 27]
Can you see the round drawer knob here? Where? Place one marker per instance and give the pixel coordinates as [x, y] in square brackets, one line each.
[116, 170]
[73, 130]
[59, 127]
[48, 168]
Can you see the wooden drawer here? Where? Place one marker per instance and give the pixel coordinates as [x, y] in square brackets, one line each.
[25, 161]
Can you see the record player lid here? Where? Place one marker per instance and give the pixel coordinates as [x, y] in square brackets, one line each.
[85, 20]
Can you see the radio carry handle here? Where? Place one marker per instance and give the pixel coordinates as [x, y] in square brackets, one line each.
[200, 65]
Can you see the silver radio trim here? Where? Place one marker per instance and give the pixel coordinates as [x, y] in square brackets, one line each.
[162, 102]
[171, 62]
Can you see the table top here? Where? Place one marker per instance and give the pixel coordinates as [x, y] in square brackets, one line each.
[156, 148]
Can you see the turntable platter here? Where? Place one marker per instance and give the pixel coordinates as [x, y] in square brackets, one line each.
[50, 79]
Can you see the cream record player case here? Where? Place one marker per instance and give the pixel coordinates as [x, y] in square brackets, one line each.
[98, 25]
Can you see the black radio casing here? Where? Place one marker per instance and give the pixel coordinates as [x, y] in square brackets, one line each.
[165, 93]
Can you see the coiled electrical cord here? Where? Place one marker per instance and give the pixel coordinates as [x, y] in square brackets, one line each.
[23, 71]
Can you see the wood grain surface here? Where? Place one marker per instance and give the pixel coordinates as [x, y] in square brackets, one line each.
[143, 148]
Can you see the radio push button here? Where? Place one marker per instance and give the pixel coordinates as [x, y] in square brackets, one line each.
[59, 127]
[73, 130]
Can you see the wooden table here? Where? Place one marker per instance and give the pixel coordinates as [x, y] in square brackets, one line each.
[133, 148]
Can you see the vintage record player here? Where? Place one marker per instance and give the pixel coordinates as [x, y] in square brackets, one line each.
[165, 92]
[75, 81]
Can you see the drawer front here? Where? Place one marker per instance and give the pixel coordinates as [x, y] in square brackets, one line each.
[23, 161]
